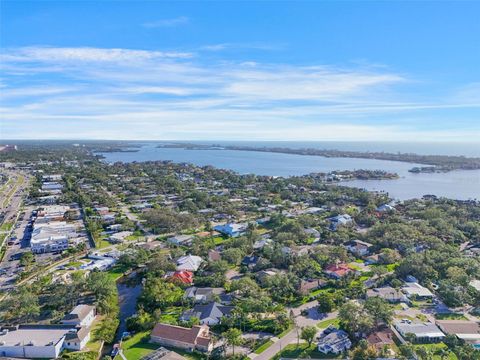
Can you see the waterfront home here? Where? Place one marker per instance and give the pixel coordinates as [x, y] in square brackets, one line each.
[81, 315]
[208, 314]
[189, 263]
[195, 338]
[422, 332]
[183, 276]
[358, 247]
[41, 341]
[466, 330]
[231, 229]
[203, 295]
[333, 341]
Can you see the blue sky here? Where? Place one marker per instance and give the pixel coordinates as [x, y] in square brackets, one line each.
[270, 70]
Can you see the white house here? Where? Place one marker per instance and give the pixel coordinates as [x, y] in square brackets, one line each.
[189, 263]
[41, 341]
[81, 315]
[77, 339]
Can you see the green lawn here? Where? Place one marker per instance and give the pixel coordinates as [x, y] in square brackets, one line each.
[450, 316]
[138, 346]
[285, 332]
[263, 347]
[434, 348]
[303, 352]
[218, 240]
[115, 273]
[326, 323]
[6, 226]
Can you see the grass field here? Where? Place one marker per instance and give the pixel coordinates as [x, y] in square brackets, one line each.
[138, 346]
[263, 347]
[450, 316]
[434, 349]
[326, 323]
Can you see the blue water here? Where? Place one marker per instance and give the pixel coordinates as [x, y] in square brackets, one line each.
[456, 184]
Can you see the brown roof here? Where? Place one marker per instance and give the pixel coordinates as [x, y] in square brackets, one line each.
[380, 338]
[178, 333]
[459, 326]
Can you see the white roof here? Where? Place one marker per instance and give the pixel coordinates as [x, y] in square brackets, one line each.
[189, 262]
[416, 289]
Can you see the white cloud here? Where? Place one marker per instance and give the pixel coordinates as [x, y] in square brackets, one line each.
[154, 94]
[181, 20]
[55, 55]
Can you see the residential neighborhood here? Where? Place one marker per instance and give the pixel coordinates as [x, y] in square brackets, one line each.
[126, 262]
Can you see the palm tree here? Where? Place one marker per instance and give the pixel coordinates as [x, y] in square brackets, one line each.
[233, 337]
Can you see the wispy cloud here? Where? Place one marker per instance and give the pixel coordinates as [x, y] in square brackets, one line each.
[101, 93]
[180, 20]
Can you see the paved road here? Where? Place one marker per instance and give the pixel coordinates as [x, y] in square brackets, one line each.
[312, 319]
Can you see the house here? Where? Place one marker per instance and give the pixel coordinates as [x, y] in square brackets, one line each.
[214, 255]
[385, 208]
[381, 338]
[189, 263]
[426, 332]
[475, 284]
[40, 341]
[358, 247]
[209, 314]
[250, 261]
[195, 338]
[203, 295]
[339, 221]
[77, 339]
[387, 293]
[337, 271]
[333, 341]
[417, 291]
[260, 244]
[81, 315]
[466, 330]
[183, 276]
[231, 229]
[311, 232]
[180, 240]
[163, 354]
[308, 285]
[120, 237]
